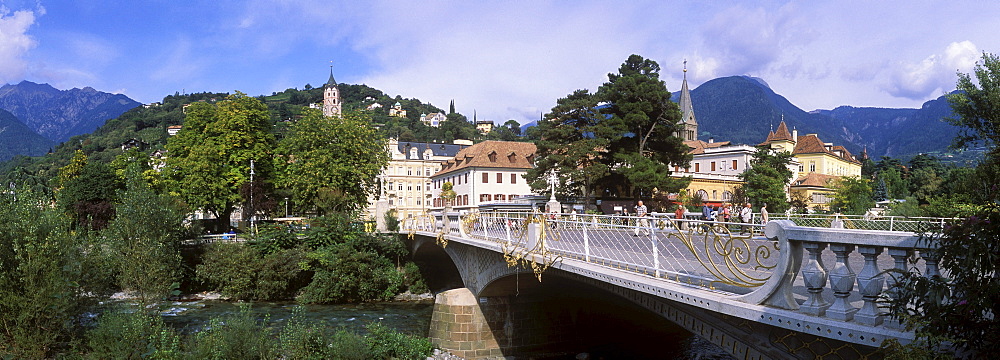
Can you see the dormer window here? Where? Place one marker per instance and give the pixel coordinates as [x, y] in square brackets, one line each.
[493, 156]
[511, 157]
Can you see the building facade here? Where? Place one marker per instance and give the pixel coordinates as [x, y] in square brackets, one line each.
[487, 172]
[405, 182]
[433, 119]
[715, 169]
[819, 164]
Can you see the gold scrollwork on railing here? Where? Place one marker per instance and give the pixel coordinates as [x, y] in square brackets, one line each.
[515, 255]
[728, 257]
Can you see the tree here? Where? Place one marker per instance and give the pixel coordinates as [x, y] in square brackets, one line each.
[41, 273]
[509, 131]
[924, 183]
[210, 158]
[89, 196]
[331, 162]
[977, 107]
[895, 186]
[643, 121]
[457, 126]
[145, 239]
[852, 195]
[572, 142]
[767, 178]
[958, 308]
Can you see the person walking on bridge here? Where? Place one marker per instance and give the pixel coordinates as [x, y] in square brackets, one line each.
[641, 222]
[746, 216]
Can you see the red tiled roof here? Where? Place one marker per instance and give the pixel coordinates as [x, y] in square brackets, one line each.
[492, 154]
[698, 146]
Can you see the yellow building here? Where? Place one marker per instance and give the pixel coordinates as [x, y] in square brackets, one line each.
[819, 164]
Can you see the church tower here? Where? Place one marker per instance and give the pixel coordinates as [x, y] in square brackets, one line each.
[688, 128]
[331, 97]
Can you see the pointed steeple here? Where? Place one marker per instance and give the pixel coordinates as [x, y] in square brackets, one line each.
[331, 82]
[688, 129]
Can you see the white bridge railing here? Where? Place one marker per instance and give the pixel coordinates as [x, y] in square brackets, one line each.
[809, 270]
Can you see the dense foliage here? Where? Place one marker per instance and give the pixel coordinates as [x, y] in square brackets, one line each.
[643, 121]
[765, 180]
[126, 334]
[572, 142]
[211, 158]
[623, 148]
[331, 162]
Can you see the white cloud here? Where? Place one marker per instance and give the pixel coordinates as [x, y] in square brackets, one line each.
[15, 43]
[934, 74]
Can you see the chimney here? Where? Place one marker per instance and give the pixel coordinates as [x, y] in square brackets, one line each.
[711, 140]
[795, 135]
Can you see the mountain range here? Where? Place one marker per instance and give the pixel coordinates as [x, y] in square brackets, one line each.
[53, 115]
[743, 109]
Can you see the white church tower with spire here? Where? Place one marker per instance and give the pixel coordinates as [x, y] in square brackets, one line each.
[331, 97]
[688, 128]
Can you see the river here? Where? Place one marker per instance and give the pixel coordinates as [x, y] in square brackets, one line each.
[407, 317]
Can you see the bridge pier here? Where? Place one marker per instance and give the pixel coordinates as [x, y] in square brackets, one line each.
[459, 326]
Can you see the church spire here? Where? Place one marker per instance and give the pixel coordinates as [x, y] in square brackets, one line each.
[688, 126]
[332, 105]
[331, 82]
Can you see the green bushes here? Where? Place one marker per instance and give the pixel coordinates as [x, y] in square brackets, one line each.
[131, 334]
[243, 273]
[334, 261]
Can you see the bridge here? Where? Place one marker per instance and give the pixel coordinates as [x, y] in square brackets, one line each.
[523, 281]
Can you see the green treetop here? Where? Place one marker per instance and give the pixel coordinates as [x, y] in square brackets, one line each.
[572, 141]
[331, 162]
[210, 158]
[766, 179]
[644, 120]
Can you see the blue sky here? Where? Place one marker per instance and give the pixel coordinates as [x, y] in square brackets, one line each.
[503, 59]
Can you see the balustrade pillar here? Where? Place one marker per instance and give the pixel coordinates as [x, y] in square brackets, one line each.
[842, 283]
[870, 284]
[814, 276]
[899, 257]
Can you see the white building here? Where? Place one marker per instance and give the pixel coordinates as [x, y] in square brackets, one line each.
[406, 179]
[433, 119]
[490, 171]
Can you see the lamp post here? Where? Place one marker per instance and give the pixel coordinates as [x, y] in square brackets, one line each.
[553, 205]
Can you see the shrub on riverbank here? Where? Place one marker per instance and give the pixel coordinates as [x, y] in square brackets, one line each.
[134, 334]
[334, 261]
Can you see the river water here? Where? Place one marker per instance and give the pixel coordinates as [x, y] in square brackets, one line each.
[407, 317]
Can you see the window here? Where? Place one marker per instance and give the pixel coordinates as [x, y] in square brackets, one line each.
[499, 197]
[715, 194]
[390, 201]
[409, 171]
[499, 178]
[418, 187]
[812, 166]
[427, 172]
[486, 178]
[713, 166]
[493, 156]
[400, 186]
[727, 196]
[734, 165]
[513, 178]
[466, 178]
[418, 201]
[702, 194]
[697, 167]
[409, 187]
[801, 169]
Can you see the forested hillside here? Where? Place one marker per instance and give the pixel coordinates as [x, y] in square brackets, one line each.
[16, 138]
